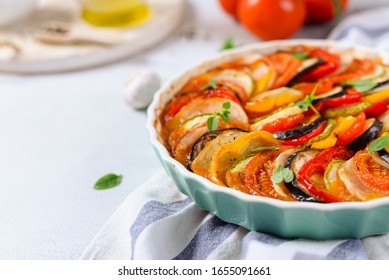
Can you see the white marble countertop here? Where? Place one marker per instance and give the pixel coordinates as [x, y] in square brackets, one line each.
[60, 133]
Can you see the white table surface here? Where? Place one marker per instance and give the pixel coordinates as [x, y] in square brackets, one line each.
[60, 133]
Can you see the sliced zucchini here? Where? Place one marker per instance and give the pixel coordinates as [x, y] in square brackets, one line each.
[372, 128]
[235, 175]
[294, 163]
[348, 110]
[307, 66]
[284, 113]
[201, 155]
[298, 132]
[331, 123]
[239, 77]
[378, 73]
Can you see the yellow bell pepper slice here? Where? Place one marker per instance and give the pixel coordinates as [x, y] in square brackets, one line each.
[263, 75]
[378, 96]
[344, 123]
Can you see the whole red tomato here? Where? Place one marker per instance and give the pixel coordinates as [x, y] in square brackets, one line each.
[271, 19]
[229, 6]
[324, 10]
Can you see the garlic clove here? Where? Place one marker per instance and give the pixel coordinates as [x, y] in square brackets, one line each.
[140, 88]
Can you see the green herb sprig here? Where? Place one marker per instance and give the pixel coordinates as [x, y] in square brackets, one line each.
[108, 181]
[300, 55]
[360, 85]
[379, 144]
[211, 84]
[282, 174]
[228, 44]
[307, 101]
[213, 121]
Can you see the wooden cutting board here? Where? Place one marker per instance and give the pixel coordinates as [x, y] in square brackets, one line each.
[34, 57]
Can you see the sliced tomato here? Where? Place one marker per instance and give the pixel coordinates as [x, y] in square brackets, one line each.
[371, 173]
[355, 130]
[258, 173]
[283, 124]
[175, 105]
[352, 96]
[304, 139]
[311, 174]
[307, 88]
[331, 64]
[285, 66]
[357, 69]
[375, 110]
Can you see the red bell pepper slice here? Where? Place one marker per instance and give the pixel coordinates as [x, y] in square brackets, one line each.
[300, 141]
[352, 96]
[355, 130]
[376, 110]
[330, 64]
[283, 124]
[318, 166]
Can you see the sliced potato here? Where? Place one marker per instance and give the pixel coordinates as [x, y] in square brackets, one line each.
[205, 106]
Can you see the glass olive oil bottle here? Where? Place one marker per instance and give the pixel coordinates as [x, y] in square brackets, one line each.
[115, 13]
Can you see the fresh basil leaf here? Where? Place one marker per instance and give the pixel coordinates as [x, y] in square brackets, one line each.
[212, 123]
[360, 85]
[288, 175]
[260, 149]
[300, 55]
[227, 105]
[224, 117]
[108, 181]
[211, 84]
[282, 174]
[277, 177]
[228, 44]
[379, 144]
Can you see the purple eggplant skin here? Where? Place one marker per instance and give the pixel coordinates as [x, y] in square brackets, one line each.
[298, 132]
[306, 70]
[384, 155]
[363, 140]
[335, 95]
[293, 186]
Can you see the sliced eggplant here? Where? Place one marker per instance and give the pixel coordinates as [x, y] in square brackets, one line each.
[298, 132]
[334, 93]
[294, 163]
[372, 128]
[200, 158]
[200, 144]
[307, 66]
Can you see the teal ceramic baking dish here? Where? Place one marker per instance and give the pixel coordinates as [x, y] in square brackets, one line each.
[286, 219]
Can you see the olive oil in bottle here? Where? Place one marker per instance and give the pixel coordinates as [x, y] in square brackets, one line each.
[115, 13]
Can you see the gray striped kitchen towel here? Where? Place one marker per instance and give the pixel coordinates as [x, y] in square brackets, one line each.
[156, 221]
